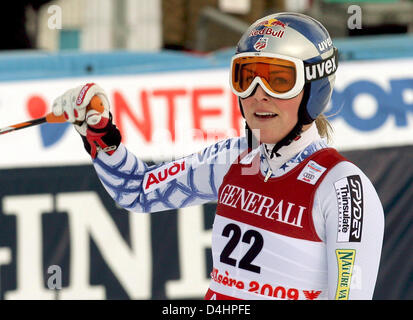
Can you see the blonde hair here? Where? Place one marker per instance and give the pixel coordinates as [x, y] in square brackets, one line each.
[324, 127]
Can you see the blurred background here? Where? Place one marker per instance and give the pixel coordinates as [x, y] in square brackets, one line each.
[164, 64]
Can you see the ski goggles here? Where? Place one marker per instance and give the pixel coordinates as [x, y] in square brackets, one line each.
[280, 76]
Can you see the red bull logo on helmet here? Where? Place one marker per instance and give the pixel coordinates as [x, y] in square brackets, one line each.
[268, 28]
[272, 23]
[268, 32]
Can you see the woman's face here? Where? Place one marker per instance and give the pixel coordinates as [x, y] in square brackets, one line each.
[270, 118]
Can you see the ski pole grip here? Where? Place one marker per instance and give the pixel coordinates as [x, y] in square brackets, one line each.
[95, 103]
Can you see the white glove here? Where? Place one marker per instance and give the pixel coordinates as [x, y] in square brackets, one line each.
[73, 103]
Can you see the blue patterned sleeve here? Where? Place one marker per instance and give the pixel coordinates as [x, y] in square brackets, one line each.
[188, 181]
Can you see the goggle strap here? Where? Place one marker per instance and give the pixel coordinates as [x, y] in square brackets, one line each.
[321, 69]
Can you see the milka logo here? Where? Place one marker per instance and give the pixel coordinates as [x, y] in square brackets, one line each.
[251, 202]
[321, 69]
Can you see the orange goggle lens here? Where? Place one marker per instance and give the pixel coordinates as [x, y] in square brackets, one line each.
[278, 75]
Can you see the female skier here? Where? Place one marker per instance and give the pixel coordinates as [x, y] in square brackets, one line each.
[294, 218]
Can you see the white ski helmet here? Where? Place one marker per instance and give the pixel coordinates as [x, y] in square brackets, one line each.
[302, 47]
